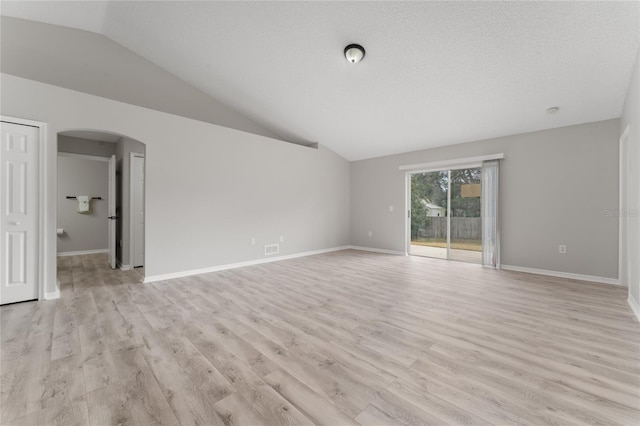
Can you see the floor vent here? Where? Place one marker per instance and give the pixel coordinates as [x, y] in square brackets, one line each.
[270, 249]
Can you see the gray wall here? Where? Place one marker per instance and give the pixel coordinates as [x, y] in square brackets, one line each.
[85, 146]
[124, 148]
[83, 231]
[209, 189]
[92, 63]
[631, 117]
[555, 188]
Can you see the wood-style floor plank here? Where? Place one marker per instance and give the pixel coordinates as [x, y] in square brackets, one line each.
[343, 338]
[235, 411]
[311, 404]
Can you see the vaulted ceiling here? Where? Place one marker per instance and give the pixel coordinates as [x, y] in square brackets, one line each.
[435, 73]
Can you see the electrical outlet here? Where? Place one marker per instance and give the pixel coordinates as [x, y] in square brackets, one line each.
[370, 233]
[281, 238]
[391, 208]
[562, 249]
[252, 242]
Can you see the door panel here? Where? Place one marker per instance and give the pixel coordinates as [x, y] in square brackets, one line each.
[17, 255]
[466, 220]
[17, 187]
[138, 211]
[19, 248]
[445, 214]
[111, 208]
[429, 226]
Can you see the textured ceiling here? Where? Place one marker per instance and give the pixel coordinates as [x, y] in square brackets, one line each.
[435, 73]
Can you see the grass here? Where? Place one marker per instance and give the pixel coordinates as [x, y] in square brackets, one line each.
[472, 245]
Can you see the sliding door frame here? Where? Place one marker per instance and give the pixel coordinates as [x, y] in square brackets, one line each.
[455, 166]
[448, 214]
[409, 169]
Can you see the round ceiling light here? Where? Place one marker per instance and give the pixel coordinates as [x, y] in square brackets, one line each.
[552, 110]
[354, 53]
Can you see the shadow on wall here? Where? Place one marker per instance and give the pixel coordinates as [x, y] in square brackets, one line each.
[83, 169]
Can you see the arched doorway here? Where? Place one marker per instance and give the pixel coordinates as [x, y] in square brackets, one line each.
[99, 210]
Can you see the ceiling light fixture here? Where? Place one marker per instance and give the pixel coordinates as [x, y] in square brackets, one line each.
[552, 110]
[354, 53]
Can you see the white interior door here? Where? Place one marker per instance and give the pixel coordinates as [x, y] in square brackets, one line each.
[137, 203]
[19, 206]
[112, 212]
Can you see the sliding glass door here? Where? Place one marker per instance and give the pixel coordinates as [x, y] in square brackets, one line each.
[466, 220]
[446, 214]
[429, 201]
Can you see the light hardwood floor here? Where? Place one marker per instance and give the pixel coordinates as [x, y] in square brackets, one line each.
[341, 338]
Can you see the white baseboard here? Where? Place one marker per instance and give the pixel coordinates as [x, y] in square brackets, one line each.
[53, 295]
[154, 278]
[377, 250]
[124, 267]
[635, 306]
[557, 274]
[79, 253]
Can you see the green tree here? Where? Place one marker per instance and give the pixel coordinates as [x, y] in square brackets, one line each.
[419, 217]
[432, 188]
[464, 206]
[426, 187]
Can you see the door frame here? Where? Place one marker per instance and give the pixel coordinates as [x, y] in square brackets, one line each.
[624, 190]
[407, 216]
[435, 166]
[42, 261]
[457, 165]
[131, 204]
[112, 210]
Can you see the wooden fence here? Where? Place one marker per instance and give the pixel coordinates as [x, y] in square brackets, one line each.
[462, 228]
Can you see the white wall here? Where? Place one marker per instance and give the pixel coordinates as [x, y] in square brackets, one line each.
[209, 189]
[83, 231]
[555, 188]
[124, 148]
[631, 118]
